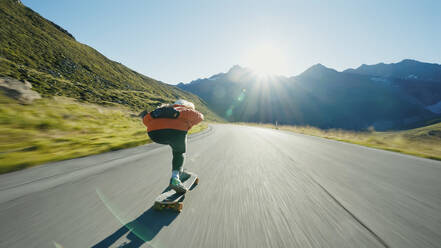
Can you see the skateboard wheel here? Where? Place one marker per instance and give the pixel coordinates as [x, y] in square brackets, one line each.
[179, 207]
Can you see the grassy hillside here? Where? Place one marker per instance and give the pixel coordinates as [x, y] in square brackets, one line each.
[424, 142]
[62, 128]
[35, 49]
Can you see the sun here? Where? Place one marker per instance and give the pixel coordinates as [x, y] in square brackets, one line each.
[265, 59]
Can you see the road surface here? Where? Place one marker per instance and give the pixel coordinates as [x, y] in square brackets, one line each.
[258, 188]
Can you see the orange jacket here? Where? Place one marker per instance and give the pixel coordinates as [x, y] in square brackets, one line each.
[187, 118]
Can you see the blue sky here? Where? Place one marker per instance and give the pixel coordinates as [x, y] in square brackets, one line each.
[179, 41]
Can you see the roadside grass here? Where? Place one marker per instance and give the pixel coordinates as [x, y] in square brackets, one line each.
[60, 128]
[423, 142]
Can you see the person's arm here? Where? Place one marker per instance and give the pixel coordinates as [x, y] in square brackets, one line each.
[147, 118]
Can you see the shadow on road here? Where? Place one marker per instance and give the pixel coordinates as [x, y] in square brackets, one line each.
[142, 229]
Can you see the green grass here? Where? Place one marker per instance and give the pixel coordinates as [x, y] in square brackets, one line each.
[59, 128]
[423, 142]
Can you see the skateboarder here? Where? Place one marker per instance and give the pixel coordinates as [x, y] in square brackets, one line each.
[168, 125]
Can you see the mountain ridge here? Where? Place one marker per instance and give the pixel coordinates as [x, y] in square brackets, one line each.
[321, 67]
[321, 97]
[405, 69]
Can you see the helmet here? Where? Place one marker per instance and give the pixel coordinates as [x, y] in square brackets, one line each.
[185, 103]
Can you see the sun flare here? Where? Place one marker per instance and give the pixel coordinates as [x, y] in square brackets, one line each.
[265, 59]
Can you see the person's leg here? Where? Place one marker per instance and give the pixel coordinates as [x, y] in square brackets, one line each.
[178, 144]
[160, 136]
[178, 161]
[177, 140]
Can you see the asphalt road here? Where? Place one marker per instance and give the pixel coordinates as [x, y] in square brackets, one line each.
[258, 188]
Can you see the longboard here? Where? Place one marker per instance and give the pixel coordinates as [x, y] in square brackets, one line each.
[170, 199]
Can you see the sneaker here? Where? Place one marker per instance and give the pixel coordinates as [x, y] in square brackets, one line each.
[177, 185]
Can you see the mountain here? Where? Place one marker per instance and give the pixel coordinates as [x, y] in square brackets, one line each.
[407, 69]
[225, 93]
[41, 52]
[319, 70]
[320, 96]
[420, 81]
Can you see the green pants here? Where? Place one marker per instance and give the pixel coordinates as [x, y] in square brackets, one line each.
[176, 139]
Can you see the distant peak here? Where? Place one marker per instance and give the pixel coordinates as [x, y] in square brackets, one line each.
[319, 66]
[318, 70]
[382, 64]
[236, 68]
[408, 61]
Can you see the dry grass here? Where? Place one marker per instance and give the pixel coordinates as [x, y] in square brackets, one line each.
[424, 142]
[62, 128]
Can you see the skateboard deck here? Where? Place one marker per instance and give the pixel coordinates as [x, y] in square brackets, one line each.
[170, 199]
